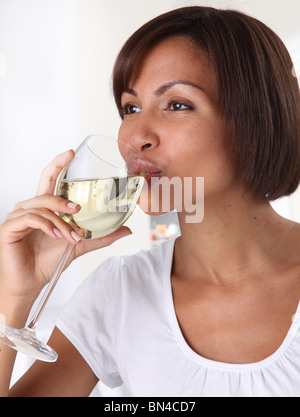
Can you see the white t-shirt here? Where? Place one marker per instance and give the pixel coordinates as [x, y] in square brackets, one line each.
[122, 321]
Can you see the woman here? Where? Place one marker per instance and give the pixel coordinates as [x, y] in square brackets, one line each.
[202, 93]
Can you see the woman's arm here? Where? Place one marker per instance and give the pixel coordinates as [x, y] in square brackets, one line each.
[69, 376]
[32, 241]
[12, 314]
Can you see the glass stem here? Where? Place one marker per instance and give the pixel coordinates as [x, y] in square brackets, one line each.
[42, 304]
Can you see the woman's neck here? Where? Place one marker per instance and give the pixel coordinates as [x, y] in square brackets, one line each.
[236, 239]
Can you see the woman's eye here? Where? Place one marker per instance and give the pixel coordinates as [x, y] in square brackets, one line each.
[177, 106]
[130, 109]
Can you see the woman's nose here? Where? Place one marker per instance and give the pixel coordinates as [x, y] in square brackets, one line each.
[142, 141]
[146, 146]
[142, 135]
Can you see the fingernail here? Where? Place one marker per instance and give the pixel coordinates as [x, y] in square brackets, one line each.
[57, 232]
[128, 233]
[75, 236]
[72, 205]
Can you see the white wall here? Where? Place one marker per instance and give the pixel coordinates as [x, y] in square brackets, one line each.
[37, 93]
[56, 58]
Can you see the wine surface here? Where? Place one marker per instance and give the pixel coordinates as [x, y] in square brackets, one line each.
[105, 203]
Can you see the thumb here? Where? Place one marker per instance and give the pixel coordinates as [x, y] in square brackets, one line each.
[85, 246]
[52, 171]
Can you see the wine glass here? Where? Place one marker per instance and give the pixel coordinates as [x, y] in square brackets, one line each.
[97, 179]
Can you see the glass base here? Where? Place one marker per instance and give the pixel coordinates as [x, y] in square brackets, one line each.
[25, 341]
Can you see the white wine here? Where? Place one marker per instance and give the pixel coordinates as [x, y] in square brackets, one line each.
[105, 203]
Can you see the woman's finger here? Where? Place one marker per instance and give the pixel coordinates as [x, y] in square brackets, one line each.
[18, 228]
[21, 221]
[51, 172]
[51, 202]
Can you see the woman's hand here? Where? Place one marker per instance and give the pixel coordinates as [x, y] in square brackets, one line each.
[33, 237]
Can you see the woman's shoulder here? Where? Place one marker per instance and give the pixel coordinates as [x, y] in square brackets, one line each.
[291, 239]
[146, 270]
[286, 257]
[157, 255]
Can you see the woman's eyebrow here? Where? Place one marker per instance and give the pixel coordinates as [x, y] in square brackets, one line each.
[131, 92]
[162, 89]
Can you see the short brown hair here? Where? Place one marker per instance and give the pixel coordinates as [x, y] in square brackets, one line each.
[258, 95]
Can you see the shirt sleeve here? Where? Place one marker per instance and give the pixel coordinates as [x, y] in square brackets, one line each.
[90, 321]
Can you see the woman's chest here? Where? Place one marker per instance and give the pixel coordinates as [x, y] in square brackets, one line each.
[234, 327]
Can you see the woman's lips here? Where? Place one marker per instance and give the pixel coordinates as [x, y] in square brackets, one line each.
[143, 167]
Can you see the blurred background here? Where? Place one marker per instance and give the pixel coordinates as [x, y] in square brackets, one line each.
[56, 60]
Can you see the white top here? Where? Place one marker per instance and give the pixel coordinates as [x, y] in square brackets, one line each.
[122, 321]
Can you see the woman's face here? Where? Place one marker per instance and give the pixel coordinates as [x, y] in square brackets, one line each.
[170, 117]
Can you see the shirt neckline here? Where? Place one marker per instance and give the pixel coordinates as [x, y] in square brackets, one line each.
[209, 363]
